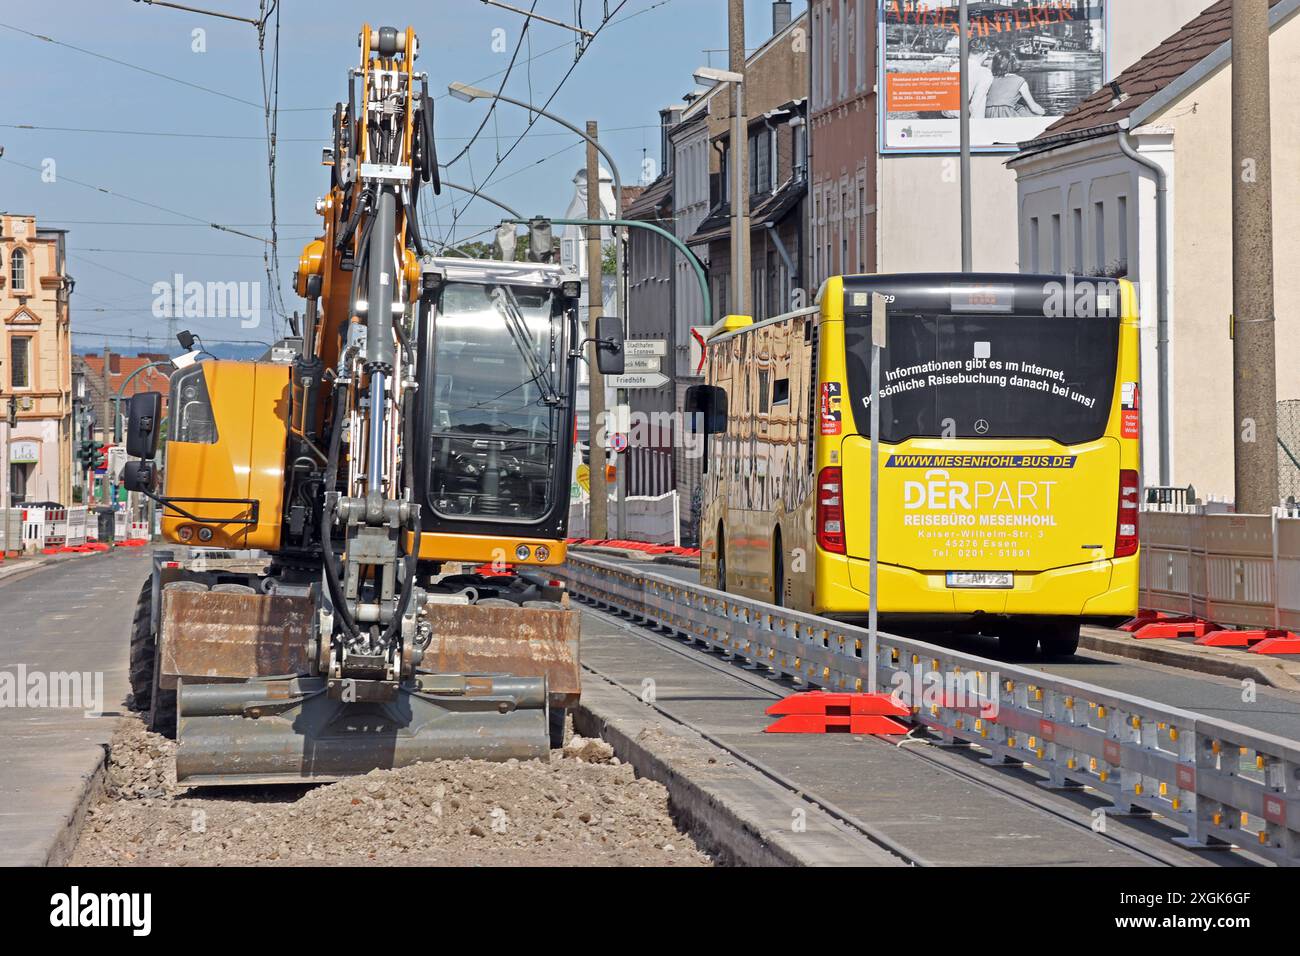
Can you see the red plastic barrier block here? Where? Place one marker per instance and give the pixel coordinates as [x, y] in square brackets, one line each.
[862, 725]
[1148, 617]
[1234, 638]
[821, 712]
[1278, 642]
[1172, 629]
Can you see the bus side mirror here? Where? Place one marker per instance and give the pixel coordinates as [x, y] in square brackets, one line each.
[138, 476]
[707, 406]
[609, 345]
[143, 427]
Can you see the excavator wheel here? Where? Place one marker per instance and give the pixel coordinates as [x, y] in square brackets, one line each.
[159, 707]
[141, 670]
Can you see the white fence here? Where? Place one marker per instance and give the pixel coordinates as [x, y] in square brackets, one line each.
[33, 529]
[1242, 570]
[654, 520]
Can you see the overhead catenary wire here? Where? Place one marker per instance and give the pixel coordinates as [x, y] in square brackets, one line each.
[261, 138]
[534, 117]
[500, 89]
[271, 105]
[142, 202]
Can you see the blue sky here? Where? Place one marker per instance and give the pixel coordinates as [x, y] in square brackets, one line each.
[211, 165]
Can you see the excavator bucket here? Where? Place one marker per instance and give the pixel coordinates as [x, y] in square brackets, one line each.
[248, 712]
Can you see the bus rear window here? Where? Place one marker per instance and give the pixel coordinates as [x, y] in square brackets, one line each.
[986, 376]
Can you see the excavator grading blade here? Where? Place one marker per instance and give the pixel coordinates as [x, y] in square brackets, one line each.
[293, 731]
[249, 713]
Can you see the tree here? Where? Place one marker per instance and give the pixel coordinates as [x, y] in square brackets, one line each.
[609, 259]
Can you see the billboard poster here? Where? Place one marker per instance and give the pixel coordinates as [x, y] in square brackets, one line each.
[1031, 62]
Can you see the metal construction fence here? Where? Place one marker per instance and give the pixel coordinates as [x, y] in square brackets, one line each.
[1223, 782]
[1241, 570]
[654, 520]
[34, 529]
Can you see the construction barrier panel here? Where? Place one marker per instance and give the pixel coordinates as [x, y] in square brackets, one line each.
[76, 534]
[655, 520]
[1238, 570]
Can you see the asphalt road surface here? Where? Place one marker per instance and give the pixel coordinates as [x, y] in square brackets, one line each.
[63, 625]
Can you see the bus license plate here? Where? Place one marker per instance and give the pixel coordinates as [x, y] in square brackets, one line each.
[979, 579]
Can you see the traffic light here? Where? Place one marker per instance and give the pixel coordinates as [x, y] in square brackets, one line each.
[98, 458]
[85, 453]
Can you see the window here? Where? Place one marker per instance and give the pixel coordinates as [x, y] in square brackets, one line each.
[494, 426]
[861, 35]
[1099, 234]
[724, 176]
[191, 410]
[1034, 245]
[1078, 241]
[20, 359]
[18, 270]
[842, 48]
[1084, 351]
[862, 226]
[781, 392]
[1056, 242]
[1121, 223]
[760, 162]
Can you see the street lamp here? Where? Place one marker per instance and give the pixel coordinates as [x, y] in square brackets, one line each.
[739, 196]
[468, 94]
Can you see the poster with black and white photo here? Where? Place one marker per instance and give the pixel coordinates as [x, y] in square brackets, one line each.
[1031, 62]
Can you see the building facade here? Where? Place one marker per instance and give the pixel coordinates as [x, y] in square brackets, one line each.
[894, 211]
[35, 361]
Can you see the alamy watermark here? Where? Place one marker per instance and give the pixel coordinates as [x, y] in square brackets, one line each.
[39, 690]
[208, 300]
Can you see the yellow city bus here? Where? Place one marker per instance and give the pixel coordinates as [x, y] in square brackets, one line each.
[1009, 436]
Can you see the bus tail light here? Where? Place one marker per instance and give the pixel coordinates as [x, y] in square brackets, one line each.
[1126, 528]
[830, 510]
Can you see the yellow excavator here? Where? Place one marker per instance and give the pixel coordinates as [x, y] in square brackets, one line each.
[361, 522]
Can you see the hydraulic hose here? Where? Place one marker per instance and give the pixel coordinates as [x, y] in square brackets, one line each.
[327, 550]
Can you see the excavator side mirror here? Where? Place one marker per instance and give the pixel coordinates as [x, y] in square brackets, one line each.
[609, 345]
[138, 476]
[143, 427]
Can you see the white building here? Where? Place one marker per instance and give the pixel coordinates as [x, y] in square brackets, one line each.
[1087, 206]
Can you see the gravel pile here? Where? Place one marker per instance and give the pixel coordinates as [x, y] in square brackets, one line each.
[582, 808]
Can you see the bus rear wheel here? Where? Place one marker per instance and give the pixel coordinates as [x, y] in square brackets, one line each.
[1059, 639]
[1018, 640]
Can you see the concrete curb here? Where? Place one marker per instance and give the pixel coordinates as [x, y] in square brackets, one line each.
[1217, 662]
[731, 806]
[22, 565]
[64, 839]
